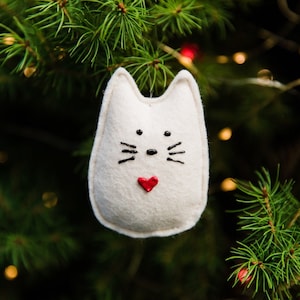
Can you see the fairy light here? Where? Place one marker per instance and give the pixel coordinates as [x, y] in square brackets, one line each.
[29, 71]
[243, 276]
[10, 272]
[239, 57]
[222, 59]
[228, 185]
[185, 60]
[8, 40]
[49, 199]
[187, 54]
[265, 74]
[225, 134]
[189, 50]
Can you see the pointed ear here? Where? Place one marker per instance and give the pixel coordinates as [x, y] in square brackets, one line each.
[183, 84]
[121, 83]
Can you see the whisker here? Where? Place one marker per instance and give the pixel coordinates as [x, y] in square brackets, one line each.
[127, 159]
[178, 161]
[173, 146]
[129, 151]
[178, 152]
[128, 145]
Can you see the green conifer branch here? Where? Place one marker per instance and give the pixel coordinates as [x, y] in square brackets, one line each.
[178, 16]
[269, 253]
[31, 232]
[294, 219]
[52, 36]
[54, 14]
[149, 67]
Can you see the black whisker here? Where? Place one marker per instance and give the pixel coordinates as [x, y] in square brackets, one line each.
[173, 146]
[178, 161]
[178, 152]
[127, 159]
[129, 151]
[128, 145]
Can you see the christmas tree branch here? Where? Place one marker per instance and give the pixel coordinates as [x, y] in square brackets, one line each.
[292, 16]
[95, 35]
[185, 61]
[268, 258]
[294, 219]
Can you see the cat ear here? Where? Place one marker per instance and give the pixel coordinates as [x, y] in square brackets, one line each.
[182, 86]
[122, 83]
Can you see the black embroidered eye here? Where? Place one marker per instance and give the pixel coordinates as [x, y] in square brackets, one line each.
[139, 132]
[167, 133]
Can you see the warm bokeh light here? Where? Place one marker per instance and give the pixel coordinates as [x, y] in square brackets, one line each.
[189, 50]
[265, 74]
[228, 185]
[185, 61]
[8, 40]
[29, 71]
[50, 199]
[243, 276]
[3, 157]
[225, 134]
[10, 272]
[239, 57]
[222, 59]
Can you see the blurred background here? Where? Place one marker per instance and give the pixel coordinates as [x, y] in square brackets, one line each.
[51, 245]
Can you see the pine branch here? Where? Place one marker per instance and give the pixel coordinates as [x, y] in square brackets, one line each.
[295, 218]
[178, 16]
[149, 67]
[268, 256]
[43, 39]
[54, 14]
[33, 235]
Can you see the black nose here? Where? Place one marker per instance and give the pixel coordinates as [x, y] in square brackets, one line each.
[151, 151]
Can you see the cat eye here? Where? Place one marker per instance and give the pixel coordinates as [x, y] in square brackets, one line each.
[139, 132]
[167, 133]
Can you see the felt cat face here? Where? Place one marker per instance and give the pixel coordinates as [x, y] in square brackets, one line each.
[148, 172]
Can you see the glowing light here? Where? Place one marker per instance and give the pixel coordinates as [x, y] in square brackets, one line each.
[228, 185]
[10, 272]
[8, 40]
[222, 59]
[185, 61]
[265, 74]
[61, 52]
[243, 276]
[239, 57]
[50, 199]
[29, 71]
[3, 157]
[225, 134]
[189, 50]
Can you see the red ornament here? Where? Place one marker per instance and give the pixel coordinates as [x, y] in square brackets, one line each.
[190, 51]
[243, 276]
[148, 184]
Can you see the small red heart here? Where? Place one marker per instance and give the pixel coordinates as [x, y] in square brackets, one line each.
[148, 184]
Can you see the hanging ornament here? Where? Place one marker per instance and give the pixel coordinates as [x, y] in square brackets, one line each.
[148, 171]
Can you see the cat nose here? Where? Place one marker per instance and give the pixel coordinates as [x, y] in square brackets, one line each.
[151, 151]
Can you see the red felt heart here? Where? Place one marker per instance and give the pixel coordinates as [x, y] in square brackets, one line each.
[148, 184]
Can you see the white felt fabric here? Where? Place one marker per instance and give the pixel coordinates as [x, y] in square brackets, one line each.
[177, 201]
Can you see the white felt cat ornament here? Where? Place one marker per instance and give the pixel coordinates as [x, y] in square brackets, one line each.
[148, 172]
